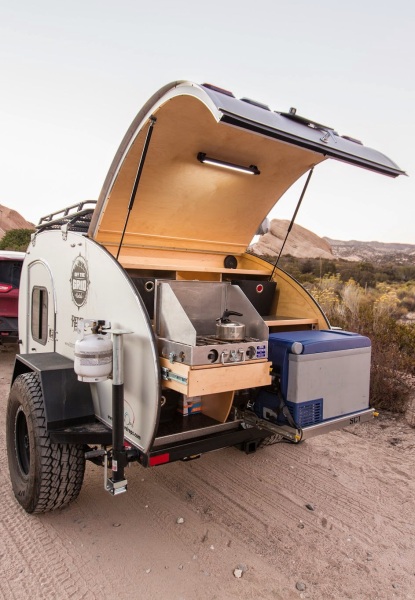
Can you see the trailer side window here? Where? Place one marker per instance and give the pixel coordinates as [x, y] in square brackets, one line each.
[40, 314]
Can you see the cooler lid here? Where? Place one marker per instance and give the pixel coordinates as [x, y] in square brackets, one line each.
[317, 341]
[183, 201]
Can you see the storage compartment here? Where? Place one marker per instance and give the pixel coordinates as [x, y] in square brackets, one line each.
[205, 415]
[259, 293]
[146, 288]
[170, 402]
[323, 374]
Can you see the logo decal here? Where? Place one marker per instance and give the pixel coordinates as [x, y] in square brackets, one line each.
[79, 281]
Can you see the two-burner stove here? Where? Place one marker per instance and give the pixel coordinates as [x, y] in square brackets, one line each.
[186, 314]
[210, 350]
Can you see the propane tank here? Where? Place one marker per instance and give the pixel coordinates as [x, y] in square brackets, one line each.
[93, 352]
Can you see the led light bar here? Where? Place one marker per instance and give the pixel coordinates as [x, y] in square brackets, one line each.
[251, 170]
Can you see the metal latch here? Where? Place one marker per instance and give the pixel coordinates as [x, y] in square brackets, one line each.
[168, 375]
[232, 356]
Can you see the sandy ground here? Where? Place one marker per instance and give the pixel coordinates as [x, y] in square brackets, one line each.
[239, 511]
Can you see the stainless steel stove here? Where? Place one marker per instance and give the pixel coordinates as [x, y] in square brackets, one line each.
[210, 350]
[186, 314]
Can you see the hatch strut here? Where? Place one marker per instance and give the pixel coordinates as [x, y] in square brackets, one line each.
[292, 220]
[137, 178]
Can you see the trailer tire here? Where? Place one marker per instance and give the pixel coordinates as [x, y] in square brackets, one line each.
[44, 476]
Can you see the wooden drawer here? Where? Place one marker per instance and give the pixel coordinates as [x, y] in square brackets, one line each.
[211, 379]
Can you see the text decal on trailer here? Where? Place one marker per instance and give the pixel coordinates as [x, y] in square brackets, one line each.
[79, 281]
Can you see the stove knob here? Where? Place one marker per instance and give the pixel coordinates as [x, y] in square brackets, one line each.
[251, 352]
[213, 356]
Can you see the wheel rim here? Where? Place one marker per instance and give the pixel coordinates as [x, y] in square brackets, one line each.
[22, 442]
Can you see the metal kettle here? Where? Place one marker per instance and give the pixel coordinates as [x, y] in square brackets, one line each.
[228, 330]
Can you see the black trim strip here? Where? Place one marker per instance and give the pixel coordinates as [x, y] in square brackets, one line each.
[309, 145]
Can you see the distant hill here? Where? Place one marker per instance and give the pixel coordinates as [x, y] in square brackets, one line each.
[302, 243]
[11, 219]
[374, 252]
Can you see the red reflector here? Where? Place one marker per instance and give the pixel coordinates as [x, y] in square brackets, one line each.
[159, 459]
[4, 287]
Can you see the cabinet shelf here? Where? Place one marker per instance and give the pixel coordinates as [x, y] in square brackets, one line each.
[281, 321]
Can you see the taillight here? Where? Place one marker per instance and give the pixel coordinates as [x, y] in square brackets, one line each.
[159, 459]
[5, 287]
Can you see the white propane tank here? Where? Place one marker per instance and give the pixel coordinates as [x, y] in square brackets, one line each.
[93, 355]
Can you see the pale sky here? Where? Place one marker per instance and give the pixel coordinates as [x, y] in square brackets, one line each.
[75, 74]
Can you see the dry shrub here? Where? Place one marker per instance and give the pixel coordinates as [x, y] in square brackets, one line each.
[393, 349]
[374, 313]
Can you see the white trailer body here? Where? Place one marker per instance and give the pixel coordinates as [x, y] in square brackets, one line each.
[78, 266]
[158, 265]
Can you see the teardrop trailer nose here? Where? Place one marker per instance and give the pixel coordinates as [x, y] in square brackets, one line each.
[162, 255]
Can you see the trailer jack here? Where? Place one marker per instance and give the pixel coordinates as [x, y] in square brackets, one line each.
[117, 484]
[111, 484]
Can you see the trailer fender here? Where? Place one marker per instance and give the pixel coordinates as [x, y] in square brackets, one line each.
[67, 401]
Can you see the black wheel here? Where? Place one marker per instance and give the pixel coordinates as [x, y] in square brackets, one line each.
[44, 476]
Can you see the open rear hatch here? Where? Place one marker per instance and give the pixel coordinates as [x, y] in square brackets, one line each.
[185, 205]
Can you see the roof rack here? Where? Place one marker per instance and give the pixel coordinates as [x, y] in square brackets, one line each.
[76, 216]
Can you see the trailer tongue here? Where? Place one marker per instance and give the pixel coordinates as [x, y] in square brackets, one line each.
[148, 333]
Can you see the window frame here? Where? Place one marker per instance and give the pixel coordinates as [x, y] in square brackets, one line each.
[39, 314]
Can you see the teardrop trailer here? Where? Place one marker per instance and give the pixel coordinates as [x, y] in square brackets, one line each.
[148, 333]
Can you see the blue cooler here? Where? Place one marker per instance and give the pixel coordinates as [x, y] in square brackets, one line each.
[324, 374]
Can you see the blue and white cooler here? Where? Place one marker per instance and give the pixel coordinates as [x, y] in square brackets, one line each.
[324, 374]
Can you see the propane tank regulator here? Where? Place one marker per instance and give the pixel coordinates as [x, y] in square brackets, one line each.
[93, 351]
